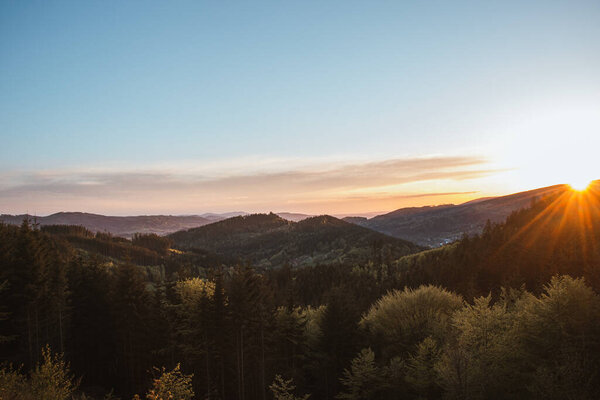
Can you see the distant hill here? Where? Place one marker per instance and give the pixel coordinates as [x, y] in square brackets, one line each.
[267, 240]
[214, 217]
[127, 226]
[559, 234]
[296, 217]
[434, 226]
[430, 226]
[119, 226]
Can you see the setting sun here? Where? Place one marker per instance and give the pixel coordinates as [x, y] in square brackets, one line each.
[580, 185]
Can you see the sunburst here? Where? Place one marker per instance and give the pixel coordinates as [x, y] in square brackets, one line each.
[578, 209]
[580, 185]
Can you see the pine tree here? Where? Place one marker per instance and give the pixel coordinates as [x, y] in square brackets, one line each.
[283, 389]
[131, 311]
[92, 337]
[364, 380]
[338, 342]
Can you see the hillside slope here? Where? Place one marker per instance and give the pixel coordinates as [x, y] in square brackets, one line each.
[119, 226]
[434, 226]
[267, 240]
[557, 235]
[127, 226]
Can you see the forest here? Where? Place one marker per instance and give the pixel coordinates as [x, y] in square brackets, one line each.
[511, 313]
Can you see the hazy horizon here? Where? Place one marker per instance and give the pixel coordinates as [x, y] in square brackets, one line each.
[337, 108]
[229, 213]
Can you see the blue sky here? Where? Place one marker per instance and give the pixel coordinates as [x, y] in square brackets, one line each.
[192, 93]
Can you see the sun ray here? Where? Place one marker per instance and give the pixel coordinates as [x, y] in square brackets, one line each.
[569, 216]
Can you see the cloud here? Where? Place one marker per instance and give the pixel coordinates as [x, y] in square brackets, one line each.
[389, 196]
[198, 188]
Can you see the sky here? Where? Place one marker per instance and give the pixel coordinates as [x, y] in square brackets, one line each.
[339, 107]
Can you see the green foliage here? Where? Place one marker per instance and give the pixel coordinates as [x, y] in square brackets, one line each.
[34, 293]
[192, 290]
[4, 315]
[132, 313]
[68, 230]
[13, 384]
[52, 379]
[525, 346]
[144, 250]
[364, 380]
[152, 241]
[477, 361]
[420, 373]
[566, 313]
[171, 385]
[283, 389]
[289, 337]
[402, 319]
[339, 339]
[559, 332]
[266, 240]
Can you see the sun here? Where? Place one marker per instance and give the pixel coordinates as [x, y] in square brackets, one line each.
[580, 185]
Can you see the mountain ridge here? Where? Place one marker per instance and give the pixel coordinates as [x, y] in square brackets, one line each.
[127, 226]
[434, 226]
[267, 240]
[431, 226]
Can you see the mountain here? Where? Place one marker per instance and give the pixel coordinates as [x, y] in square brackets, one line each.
[267, 240]
[127, 226]
[435, 226]
[559, 234]
[296, 217]
[119, 226]
[429, 226]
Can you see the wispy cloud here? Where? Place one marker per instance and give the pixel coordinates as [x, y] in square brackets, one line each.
[254, 186]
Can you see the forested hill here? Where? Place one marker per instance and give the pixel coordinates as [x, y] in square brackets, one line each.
[130, 225]
[267, 240]
[557, 235]
[413, 328]
[434, 226]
